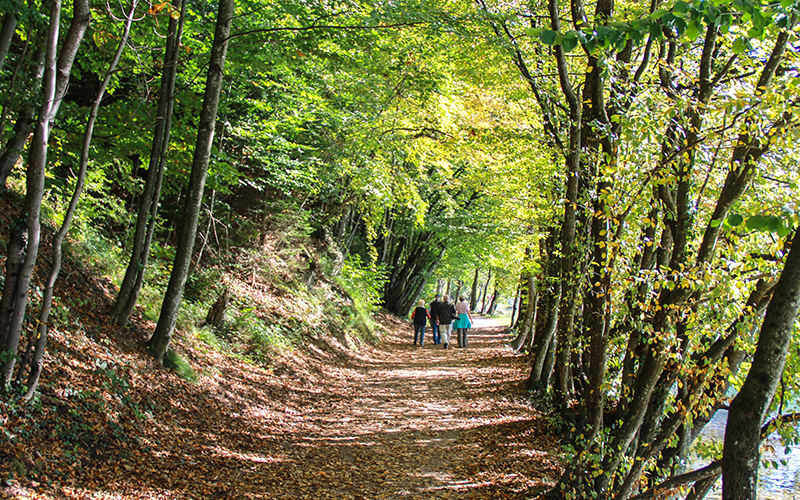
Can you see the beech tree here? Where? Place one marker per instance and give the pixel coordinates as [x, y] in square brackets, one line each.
[149, 201]
[159, 342]
[36, 347]
[749, 409]
[638, 259]
[25, 237]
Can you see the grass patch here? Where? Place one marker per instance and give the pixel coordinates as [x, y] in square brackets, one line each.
[206, 335]
[182, 368]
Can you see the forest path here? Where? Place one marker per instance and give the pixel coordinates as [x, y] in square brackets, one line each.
[419, 423]
[391, 421]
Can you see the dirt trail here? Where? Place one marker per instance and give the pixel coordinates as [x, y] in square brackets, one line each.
[422, 422]
[394, 422]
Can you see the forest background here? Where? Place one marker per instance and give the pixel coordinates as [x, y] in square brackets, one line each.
[626, 174]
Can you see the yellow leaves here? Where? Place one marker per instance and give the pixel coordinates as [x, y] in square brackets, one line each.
[156, 8]
[164, 8]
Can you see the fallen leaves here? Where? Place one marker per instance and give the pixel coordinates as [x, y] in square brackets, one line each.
[387, 422]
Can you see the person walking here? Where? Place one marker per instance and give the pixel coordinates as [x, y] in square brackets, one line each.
[463, 322]
[433, 312]
[445, 315]
[419, 316]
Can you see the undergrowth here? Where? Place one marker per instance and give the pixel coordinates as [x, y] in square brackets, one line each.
[276, 299]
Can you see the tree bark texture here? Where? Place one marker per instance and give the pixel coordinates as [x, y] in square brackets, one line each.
[473, 296]
[748, 410]
[159, 342]
[55, 268]
[26, 107]
[486, 290]
[7, 35]
[58, 67]
[147, 215]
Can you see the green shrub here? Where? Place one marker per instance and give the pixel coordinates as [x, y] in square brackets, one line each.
[206, 335]
[363, 285]
[256, 339]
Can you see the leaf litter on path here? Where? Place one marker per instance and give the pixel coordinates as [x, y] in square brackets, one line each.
[392, 421]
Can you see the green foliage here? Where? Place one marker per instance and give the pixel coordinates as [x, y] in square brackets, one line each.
[256, 338]
[91, 248]
[206, 335]
[190, 315]
[362, 282]
[180, 366]
[363, 285]
[683, 19]
[201, 285]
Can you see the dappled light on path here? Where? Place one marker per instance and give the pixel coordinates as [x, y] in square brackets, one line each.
[392, 421]
[421, 422]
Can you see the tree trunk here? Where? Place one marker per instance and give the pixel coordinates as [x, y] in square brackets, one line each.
[495, 299]
[514, 306]
[486, 290]
[568, 240]
[526, 325]
[524, 298]
[159, 342]
[147, 216]
[7, 35]
[740, 458]
[26, 113]
[545, 337]
[55, 85]
[473, 297]
[55, 268]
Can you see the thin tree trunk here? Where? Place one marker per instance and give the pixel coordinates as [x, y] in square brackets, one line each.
[495, 298]
[524, 298]
[159, 343]
[205, 236]
[147, 216]
[47, 296]
[514, 305]
[486, 290]
[17, 291]
[473, 297]
[526, 326]
[55, 84]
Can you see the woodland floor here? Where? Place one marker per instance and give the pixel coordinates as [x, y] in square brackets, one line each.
[391, 421]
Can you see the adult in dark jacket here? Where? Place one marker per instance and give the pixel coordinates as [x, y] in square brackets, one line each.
[433, 311]
[445, 315]
[419, 316]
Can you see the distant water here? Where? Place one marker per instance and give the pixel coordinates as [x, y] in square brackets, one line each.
[782, 483]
